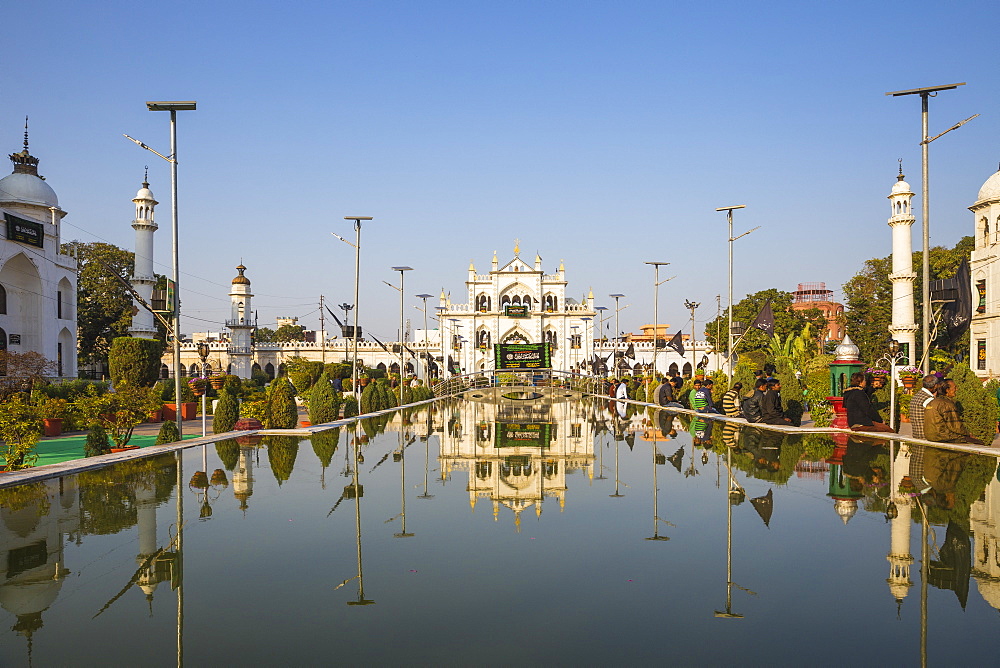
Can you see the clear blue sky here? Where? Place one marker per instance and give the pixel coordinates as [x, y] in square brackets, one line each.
[601, 133]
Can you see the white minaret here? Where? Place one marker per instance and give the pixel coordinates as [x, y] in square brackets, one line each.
[240, 325]
[143, 279]
[903, 328]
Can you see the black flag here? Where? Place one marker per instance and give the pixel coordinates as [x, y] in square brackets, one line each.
[958, 314]
[380, 343]
[630, 351]
[335, 318]
[676, 344]
[704, 362]
[765, 320]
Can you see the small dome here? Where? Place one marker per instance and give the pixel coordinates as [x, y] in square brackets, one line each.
[990, 189]
[901, 187]
[241, 279]
[145, 193]
[845, 508]
[847, 351]
[27, 189]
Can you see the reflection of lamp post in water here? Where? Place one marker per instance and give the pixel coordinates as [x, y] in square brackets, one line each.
[355, 490]
[616, 494]
[656, 516]
[402, 481]
[736, 495]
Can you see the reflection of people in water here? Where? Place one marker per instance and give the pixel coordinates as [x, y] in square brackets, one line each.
[764, 447]
[701, 432]
[665, 420]
[859, 464]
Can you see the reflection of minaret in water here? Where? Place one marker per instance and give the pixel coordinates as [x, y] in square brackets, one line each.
[899, 556]
[243, 478]
[145, 498]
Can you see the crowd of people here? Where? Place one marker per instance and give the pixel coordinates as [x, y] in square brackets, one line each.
[932, 410]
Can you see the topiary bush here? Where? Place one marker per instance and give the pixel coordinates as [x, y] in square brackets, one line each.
[226, 413]
[168, 433]
[350, 406]
[977, 405]
[282, 412]
[229, 453]
[323, 403]
[135, 360]
[97, 441]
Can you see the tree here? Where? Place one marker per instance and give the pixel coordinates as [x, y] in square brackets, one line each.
[120, 411]
[104, 306]
[21, 372]
[135, 360]
[287, 333]
[20, 430]
[786, 321]
[323, 404]
[868, 297]
[264, 335]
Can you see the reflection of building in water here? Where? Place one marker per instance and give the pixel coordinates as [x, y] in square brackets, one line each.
[899, 556]
[513, 460]
[34, 521]
[844, 490]
[243, 475]
[986, 544]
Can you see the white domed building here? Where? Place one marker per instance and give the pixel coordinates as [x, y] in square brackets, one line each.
[985, 328]
[37, 283]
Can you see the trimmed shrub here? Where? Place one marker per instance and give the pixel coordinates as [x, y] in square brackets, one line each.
[977, 404]
[135, 360]
[97, 442]
[282, 413]
[226, 413]
[370, 398]
[325, 445]
[168, 433]
[350, 406]
[323, 404]
[281, 453]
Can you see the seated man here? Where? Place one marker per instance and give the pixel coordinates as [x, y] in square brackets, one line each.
[705, 397]
[771, 410]
[861, 415]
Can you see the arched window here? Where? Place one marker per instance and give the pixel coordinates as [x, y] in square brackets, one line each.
[3, 300]
[269, 370]
[194, 370]
[164, 371]
[672, 370]
[687, 369]
[183, 370]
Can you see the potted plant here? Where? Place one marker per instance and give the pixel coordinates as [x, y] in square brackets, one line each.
[363, 380]
[20, 430]
[54, 412]
[198, 386]
[118, 412]
[189, 408]
[909, 375]
[217, 381]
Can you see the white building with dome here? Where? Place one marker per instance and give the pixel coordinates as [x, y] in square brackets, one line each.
[37, 282]
[984, 339]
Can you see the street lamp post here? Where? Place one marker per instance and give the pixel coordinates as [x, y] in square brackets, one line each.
[587, 354]
[402, 336]
[729, 215]
[925, 140]
[656, 301]
[173, 108]
[616, 296]
[357, 306]
[427, 365]
[688, 304]
[203, 354]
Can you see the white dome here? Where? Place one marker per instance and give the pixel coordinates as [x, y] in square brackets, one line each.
[901, 187]
[145, 193]
[27, 189]
[990, 189]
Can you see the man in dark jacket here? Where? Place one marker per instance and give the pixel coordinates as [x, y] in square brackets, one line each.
[861, 415]
[771, 409]
[752, 406]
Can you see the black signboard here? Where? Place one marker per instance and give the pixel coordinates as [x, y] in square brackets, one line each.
[516, 310]
[522, 434]
[523, 356]
[25, 231]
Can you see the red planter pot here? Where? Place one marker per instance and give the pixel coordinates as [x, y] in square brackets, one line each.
[156, 416]
[53, 426]
[189, 410]
[125, 449]
[305, 423]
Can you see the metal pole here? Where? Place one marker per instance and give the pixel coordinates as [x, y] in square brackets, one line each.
[656, 302]
[402, 336]
[729, 351]
[177, 274]
[925, 288]
[357, 309]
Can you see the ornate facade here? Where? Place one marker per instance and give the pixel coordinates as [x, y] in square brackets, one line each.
[37, 282]
[984, 338]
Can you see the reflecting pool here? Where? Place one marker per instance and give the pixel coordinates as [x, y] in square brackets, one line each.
[542, 530]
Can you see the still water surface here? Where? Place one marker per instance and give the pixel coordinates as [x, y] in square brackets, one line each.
[547, 533]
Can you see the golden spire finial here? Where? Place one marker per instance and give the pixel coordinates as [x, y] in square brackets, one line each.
[517, 247]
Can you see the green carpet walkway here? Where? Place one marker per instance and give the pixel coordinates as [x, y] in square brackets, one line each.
[65, 448]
